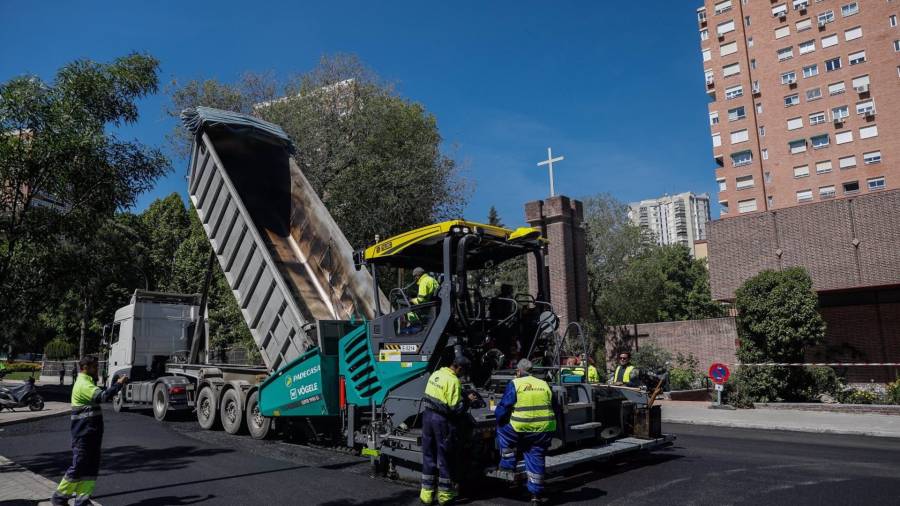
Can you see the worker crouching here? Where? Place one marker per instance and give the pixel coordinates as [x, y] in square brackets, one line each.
[526, 418]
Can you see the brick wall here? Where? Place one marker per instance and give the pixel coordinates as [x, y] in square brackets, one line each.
[711, 340]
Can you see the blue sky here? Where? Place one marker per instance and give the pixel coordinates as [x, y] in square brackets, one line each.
[617, 88]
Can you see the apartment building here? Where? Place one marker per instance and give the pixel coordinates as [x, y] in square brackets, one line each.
[804, 99]
[673, 219]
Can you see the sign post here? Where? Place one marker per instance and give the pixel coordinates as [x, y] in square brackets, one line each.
[719, 374]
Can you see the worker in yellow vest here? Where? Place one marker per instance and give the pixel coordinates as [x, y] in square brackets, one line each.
[445, 407]
[593, 373]
[625, 373]
[427, 287]
[87, 434]
[526, 419]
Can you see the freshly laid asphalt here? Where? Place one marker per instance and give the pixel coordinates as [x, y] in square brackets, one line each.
[150, 463]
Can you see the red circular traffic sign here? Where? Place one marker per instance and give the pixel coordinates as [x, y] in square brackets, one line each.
[719, 373]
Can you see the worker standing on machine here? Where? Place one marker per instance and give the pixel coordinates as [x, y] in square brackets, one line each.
[526, 418]
[427, 286]
[444, 409]
[592, 373]
[87, 434]
[625, 373]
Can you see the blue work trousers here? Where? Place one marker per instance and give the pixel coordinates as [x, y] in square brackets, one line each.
[533, 445]
[438, 452]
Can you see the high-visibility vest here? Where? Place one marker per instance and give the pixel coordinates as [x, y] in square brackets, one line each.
[87, 417]
[618, 377]
[593, 374]
[443, 392]
[428, 287]
[533, 411]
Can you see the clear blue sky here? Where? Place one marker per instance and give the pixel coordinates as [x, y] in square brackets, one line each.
[617, 88]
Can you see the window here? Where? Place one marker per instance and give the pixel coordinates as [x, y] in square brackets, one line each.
[731, 70]
[856, 58]
[791, 100]
[817, 118]
[744, 182]
[794, 123]
[833, 64]
[866, 107]
[747, 206]
[723, 205]
[767, 176]
[710, 77]
[836, 88]
[813, 94]
[829, 41]
[807, 47]
[853, 33]
[716, 140]
[851, 187]
[739, 136]
[755, 85]
[782, 32]
[736, 113]
[765, 155]
[750, 43]
[727, 49]
[752, 63]
[843, 137]
[810, 70]
[868, 132]
[779, 10]
[847, 162]
[762, 131]
[722, 7]
[849, 9]
[826, 192]
[771, 200]
[872, 157]
[725, 27]
[714, 118]
[785, 53]
[839, 113]
[892, 20]
[734, 92]
[704, 34]
[759, 108]
[819, 141]
[800, 5]
[875, 183]
[701, 16]
[722, 184]
[804, 195]
[861, 83]
[747, 20]
[706, 55]
[741, 158]
[789, 77]
[798, 146]
[801, 171]
[804, 24]
[823, 167]
[826, 17]
[897, 45]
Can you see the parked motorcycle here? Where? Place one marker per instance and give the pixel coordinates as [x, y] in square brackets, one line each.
[24, 395]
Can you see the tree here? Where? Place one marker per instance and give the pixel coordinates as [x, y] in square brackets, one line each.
[372, 156]
[513, 272]
[778, 320]
[167, 225]
[62, 172]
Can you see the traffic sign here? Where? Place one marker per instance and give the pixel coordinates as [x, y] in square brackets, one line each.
[719, 373]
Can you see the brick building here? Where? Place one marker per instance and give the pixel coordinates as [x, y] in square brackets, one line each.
[805, 99]
[673, 219]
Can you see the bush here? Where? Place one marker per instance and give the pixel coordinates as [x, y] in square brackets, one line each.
[22, 367]
[822, 380]
[859, 396]
[59, 349]
[686, 373]
[737, 391]
[893, 392]
[651, 357]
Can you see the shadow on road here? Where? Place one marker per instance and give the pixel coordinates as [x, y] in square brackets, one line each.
[123, 459]
[173, 500]
[401, 497]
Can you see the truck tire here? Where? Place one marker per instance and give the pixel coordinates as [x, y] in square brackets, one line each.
[207, 414]
[160, 402]
[231, 412]
[257, 425]
[119, 402]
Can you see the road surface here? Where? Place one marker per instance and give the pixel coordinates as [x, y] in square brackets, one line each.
[151, 463]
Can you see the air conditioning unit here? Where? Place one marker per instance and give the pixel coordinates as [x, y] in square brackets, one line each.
[822, 25]
[870, 113]
[791, 81]
[861, 89]
[838, 119]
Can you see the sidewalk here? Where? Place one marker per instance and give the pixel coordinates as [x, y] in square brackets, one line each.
[24, 414]
[21, 486]
[698, 413]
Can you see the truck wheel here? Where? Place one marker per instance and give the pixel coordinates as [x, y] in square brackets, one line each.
[257, 424]
[231, 413]
[119, 402]
[206, 409]
[160, 402]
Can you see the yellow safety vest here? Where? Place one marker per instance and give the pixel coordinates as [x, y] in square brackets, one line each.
[443, 392]
[428, 287]
[624, 378]
[593, 374]
[533, 411]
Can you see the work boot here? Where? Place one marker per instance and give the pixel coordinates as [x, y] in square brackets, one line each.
[426, 496]
[537, 500]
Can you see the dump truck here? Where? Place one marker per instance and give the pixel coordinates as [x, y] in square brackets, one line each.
[342, 360]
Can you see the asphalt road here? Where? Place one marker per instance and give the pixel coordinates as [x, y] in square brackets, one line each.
[149, 463]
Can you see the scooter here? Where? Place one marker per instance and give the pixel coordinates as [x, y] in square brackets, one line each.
[21, 396]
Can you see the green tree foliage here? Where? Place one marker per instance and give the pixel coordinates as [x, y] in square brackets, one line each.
[56, 148]
[59, 349]
[167, 225]
[513, 272]
[373, 156]
[778, 320]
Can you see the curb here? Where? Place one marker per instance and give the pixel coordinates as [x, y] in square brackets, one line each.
[814, 430]
[4, 423]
